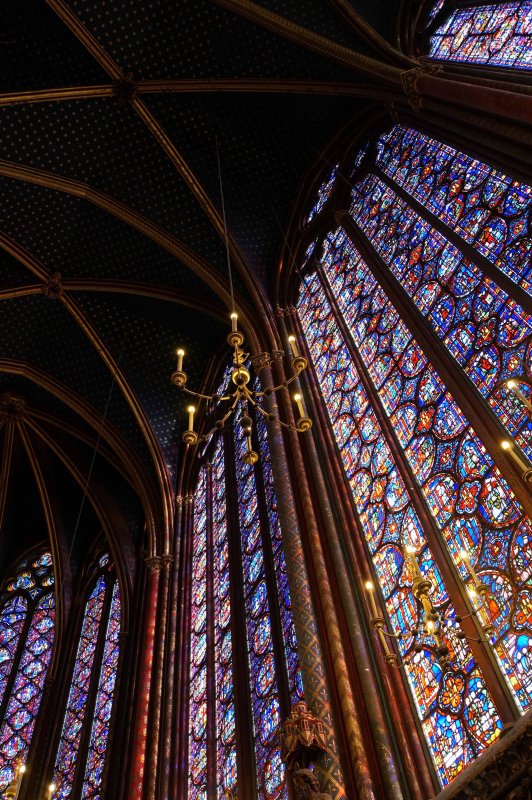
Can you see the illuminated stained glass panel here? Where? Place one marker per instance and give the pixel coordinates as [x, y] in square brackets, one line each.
[226, 760]
[487, 332]
[471, 503]
[12, 619]
[283, 590]
[497, 34]
[23, 706]
[324, 193]
[484, 206]
[389, 523]
[99, 735]
[262, 662]
[65, 764]
[197, 749]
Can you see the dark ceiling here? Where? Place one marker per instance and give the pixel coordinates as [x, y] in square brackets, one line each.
[114, 185]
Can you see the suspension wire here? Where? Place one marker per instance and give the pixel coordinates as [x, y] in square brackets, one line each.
[226, 237]
[96, 448]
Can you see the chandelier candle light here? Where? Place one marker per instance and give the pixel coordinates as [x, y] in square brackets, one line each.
[242, 395]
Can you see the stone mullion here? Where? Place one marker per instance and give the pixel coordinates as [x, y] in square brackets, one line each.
[436, 354]
[513, 290]
[247, 771]
[413, 750]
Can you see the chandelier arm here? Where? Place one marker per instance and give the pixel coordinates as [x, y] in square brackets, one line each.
[197, 394]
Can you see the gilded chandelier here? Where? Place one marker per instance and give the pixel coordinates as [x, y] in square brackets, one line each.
[242, 396]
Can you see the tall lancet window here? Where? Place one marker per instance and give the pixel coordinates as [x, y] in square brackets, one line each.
[81, 755]
[434, 235]
[492, 33]
[27, 613]
[244, 668]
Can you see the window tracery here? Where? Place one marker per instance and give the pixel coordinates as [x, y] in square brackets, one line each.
[377, 383]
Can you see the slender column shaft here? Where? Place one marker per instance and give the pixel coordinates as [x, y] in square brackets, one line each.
[169, 709]
[140, 742]
[309, 644]
[158, 680]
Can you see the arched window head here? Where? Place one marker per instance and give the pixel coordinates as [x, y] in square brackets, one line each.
[405, 317]
[239, 589]
[493, 34]
[81, 755]
[27, 614]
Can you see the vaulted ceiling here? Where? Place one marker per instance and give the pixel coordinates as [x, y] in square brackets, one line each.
[112, 248]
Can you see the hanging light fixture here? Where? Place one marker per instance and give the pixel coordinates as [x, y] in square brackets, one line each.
[237, 396]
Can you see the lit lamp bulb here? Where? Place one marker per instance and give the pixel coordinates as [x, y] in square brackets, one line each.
[371, 598]
[191, 411]
[51, 790]
[513, 386]
[293, 345]
[506, 445]
[234, 321]
[180, 354]
[299, 403]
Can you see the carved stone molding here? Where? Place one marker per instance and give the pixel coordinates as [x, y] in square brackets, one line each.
[53, 288]
[410, 79]
[502, 772]
[307, 786]
[261, 361]
[154, 564]
[125, 89]
[12, 407]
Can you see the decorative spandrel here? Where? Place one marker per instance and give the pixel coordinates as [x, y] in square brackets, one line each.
[487, 332]
[494, 34]
[390, 523]
[471, 503]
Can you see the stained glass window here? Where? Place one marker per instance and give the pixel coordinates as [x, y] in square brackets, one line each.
[442, 223]
[324, 193]
[26, 641]
[90, 700]
[444, 698]
[261, 581]
[498, 34]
